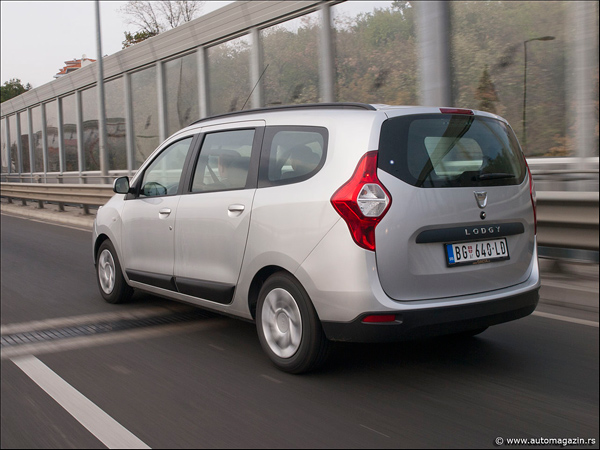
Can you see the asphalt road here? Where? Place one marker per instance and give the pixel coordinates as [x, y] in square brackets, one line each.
[205, 382]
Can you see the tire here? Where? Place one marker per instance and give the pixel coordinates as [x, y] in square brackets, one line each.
[289, 329]
[112, 284]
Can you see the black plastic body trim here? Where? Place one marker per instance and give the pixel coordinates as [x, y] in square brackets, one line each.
[470, 232]
[433, 322]
[153, 279]
[209, 290]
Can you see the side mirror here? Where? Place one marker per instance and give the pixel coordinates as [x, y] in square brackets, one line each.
[154, 189]
[121, 185]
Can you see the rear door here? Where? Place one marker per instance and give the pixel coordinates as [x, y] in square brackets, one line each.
[461, 219]
[213, 216]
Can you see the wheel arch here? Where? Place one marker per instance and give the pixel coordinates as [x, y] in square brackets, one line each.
[259, 279]
[99, 240]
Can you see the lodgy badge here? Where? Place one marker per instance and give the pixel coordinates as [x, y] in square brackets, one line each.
[482, 230]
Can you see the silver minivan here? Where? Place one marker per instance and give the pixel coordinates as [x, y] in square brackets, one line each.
[330, 222]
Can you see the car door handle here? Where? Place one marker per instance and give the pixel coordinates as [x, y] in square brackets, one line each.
[164, 211]
[236, 208]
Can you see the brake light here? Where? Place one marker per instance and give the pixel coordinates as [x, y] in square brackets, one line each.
[532, 195]
[457, 111]
[363, 201]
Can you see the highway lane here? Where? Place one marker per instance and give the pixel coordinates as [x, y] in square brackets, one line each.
[207, 383]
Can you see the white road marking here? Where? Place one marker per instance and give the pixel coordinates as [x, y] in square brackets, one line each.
[216, 347]
[274, 380]
[374, 431]
[49, 222]
[589, 323]
[64, 225]
[110, 432]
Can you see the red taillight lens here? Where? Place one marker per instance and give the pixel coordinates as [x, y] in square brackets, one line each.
[382, 318]
[532, 195]
[363, 201]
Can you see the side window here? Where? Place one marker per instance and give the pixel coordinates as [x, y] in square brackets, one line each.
[293, 154]
[224, 161]
[163, 176]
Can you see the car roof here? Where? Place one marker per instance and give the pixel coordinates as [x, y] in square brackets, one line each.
[341, 105]
[390, 110]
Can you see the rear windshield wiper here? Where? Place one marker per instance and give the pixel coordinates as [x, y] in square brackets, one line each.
[495, 176]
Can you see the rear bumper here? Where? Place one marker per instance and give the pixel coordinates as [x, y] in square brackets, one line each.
[429, 322]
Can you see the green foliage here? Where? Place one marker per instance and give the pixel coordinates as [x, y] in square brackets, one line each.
[486, 93]
[293, 72]
[491, 34]
[131, 39]
[376, 58]
[12, 88]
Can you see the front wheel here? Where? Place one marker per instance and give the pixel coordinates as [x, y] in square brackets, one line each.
[111, 282]
[288, 327]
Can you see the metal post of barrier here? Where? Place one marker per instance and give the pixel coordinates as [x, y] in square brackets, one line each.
[326, 57]
[256, 69]
[433, 31]
[40, 202]
[101, 107]
[204, 100]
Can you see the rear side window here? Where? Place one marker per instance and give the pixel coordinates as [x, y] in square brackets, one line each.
[224, 161]
[444, 150]
[292, 154]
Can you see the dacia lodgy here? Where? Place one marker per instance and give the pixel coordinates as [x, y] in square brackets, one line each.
[330, 222]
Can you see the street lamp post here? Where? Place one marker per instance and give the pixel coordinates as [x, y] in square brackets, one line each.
[543, 38]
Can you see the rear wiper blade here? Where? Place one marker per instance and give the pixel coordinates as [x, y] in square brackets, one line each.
[495, 176]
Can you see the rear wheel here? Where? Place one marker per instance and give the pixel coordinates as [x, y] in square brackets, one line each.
[111, 282]
[288, 327]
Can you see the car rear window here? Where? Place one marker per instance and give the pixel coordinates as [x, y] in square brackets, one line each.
[449, 150]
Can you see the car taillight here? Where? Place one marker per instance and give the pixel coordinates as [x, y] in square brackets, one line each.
[467, 112]
[532, 195]
[363, 201]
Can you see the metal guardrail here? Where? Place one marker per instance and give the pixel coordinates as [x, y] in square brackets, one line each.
[79, 194]
[568, 219]
[565, 219]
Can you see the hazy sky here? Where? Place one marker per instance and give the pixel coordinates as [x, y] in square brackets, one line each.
[39, 36]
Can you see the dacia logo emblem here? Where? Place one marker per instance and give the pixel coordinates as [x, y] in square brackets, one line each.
[481, 197]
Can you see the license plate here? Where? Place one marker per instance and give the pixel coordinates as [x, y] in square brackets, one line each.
[479, 252]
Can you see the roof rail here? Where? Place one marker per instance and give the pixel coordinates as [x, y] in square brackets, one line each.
[340, 105]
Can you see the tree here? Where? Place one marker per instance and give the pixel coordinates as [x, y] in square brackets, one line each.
[486, 92]
[154, 17]
[13, 88]
[131, 39]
